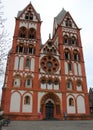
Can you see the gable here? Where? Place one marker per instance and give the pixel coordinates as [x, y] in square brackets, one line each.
[68, 21]
[29, 13]
[49, 48]
[65, 20]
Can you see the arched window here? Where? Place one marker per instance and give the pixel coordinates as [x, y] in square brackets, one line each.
[43, 80]
[53, 51]
[56, 81]
[69, 85]
[31, 50]
[73, 41]
[26, 100]
[29, 15]
[68, 22]
[19, 49]
[67, 54]
[28, 82]
[45, 49]
[32, 33]
[76, 55]
[28, 63]
[22, 32]
[66, 40]
[49, 81]
[17, 81]
[71, 102]
[69, 66]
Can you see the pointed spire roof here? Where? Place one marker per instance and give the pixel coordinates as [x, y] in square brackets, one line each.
[60, 16]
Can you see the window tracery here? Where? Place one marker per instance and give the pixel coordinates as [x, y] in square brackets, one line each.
[70, 40]
[51, 50]
[67, 54]
[29, 15]
[32, 33]
[22, 32]
[66, 40]
[68, 22]
[49, 64]
[47, 82]
[31, 50]
[73, 41]
[19, 48]
[76, 55]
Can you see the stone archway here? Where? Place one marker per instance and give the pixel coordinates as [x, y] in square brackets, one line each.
[50, 106]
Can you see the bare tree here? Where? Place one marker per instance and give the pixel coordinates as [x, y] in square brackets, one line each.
[4, 42]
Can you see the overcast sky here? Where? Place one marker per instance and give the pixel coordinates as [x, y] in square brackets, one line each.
[80, 10]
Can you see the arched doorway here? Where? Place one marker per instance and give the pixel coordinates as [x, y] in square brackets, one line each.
[50, 106]
[49, 110]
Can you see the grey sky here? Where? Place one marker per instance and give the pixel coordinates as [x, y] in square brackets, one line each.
[80, 10]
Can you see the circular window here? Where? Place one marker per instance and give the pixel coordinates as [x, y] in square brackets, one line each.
[49, 64]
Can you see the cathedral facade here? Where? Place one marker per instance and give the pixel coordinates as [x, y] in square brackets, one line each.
[45, 81]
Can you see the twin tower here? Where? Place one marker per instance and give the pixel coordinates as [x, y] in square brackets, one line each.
[44, 81]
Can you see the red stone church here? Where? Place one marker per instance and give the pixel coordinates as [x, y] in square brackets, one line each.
[44, 81]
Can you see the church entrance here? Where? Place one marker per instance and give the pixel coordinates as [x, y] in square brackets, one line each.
[49, 110]
[50, 106]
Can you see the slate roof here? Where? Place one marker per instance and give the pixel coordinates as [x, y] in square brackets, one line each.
[60, 16]
[19, 13]
[91, 90]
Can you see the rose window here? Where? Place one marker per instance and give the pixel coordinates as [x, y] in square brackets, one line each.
[49, 64]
